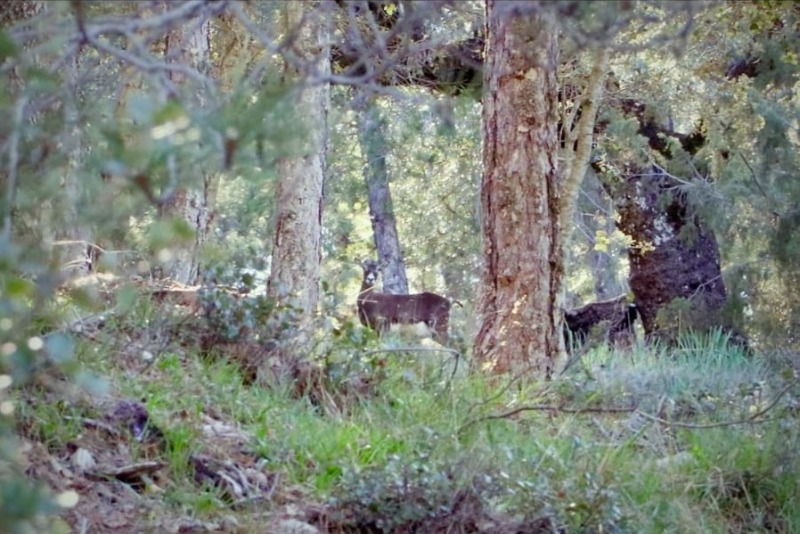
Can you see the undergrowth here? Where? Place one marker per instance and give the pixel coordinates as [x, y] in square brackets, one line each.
[651, 439]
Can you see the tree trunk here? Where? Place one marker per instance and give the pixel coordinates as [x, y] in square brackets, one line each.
[294, 278]
[381, 210]
[192, 204]
[600, 224]
[519, 305]
[73, 236]
[674, 255]
[60, 222]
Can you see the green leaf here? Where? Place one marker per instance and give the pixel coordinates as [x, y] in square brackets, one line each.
[92, 383]
[116, 143]
[126, 298]
[141, 108]
[182, 230]
[42, 80]
[171, 111]
[169, 233]
[19, 287]
[8, 48]
[84, 298]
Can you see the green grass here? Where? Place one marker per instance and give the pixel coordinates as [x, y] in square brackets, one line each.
[419, 442]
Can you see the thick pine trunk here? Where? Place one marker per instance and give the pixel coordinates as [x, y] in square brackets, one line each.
[381, 210]
[519, 305]
[295, 273]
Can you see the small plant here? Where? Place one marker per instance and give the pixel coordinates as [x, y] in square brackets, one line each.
[409, 494]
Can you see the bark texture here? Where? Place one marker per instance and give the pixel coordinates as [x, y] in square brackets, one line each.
[192, 203]
[295, 274]
[519, 306]
[381, 210]
[673, 253]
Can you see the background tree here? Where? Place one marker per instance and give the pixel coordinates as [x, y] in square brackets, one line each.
[700, 141]
[372, 141]
[190, 44]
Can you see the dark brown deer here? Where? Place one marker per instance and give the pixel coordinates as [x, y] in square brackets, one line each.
[380, 310]
[618, 313]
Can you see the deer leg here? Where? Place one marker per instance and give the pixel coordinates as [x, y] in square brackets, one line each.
[439, 327]
[382, 326]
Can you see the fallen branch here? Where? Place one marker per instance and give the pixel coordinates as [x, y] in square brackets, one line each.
[130, 472]
[755, 418]
[545, 408]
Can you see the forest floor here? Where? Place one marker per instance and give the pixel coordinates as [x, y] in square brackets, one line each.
[377, 440]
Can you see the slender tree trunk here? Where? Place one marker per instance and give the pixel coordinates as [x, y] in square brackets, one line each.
[73, 236]
[381, 210]
[578, 126]
[295, 274]
[605, 283]
[61, 224]
[519, 304]
[192, 204]
[600, 224]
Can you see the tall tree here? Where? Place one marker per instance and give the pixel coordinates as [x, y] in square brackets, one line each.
[190, 44]
[518, 305]
[73, 236]
[372, 138]
[294, 278]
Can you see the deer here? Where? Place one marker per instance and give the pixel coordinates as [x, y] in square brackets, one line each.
[618, 312]
[380, 310]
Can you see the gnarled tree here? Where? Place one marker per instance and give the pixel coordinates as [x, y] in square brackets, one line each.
[673, 253]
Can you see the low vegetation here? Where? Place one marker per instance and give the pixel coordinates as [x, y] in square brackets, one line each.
[701, 437]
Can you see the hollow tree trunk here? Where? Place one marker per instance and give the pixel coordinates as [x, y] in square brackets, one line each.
[381, 210]
[519, 310]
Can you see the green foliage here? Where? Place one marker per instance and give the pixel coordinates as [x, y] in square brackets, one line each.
[433, 164]
[384, 437]
[420, 447]
[739, 182]
[26, 354]
[407, 494]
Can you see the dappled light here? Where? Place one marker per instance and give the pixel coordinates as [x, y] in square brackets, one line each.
[399, 266]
